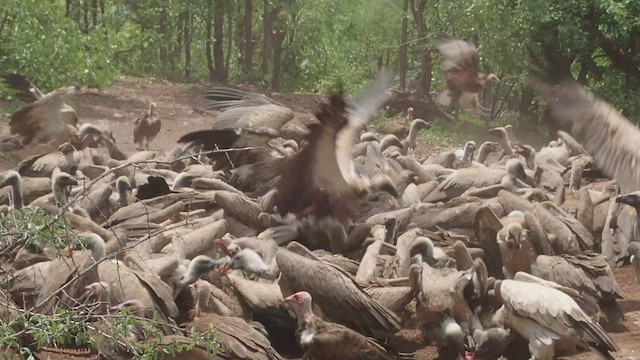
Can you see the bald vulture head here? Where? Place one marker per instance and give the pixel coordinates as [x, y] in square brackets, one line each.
[250, 262]
[511, 236]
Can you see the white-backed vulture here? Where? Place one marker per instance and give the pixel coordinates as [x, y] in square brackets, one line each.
[545, 316]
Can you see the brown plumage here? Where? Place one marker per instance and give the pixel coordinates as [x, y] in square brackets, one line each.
[610, 138]
[45, 118]
[240, 109]
[336, 294]
[587, 272]
[322, 340]
[464, 80]
[321, 179]
[545, 315]
[146, 128]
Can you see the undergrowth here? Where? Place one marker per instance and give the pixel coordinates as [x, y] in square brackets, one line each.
[77, 326]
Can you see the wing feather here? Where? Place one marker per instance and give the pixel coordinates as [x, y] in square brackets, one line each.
[605, 133]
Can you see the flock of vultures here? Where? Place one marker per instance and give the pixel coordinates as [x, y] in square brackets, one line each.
[324, 240]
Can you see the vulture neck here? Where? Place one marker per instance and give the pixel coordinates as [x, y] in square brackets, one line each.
[122, 193]
[467, 156]
[306, 312]
[484, 151]
[505, 143]
[411, 138]
[59, 193]
[97, 246]
[15, 180]
[576, 175]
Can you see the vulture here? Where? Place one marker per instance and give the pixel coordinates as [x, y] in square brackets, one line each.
[146, 128]
[246, 110]
[464, 80]
[45, 118]
[610, 138]
[544, 316]
[321, 179]
[246, 120]
[322, 340]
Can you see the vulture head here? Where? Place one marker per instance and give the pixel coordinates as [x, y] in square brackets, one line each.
[631, 199]
[94, 289]
[514, 168]
[301, 302]
[409, 114]
[499, 132]
[513, 237]
[469, 149]
[199, 266]
[248, 261]
[152, 107]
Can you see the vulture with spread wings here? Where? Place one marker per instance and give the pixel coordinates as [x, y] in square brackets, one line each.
[246, 120]
[464, 80]
[610, 138]
[322, 180]
[45, 118]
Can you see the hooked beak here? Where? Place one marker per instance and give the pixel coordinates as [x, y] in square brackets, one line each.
[516, 241]
[628, 199]
[224, 269]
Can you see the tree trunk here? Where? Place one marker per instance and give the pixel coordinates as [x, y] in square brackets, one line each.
[277, 38]
[229, 49]
[404, 46]
[248, 36]
[208, 41]
[67, 8]
[94, 13]
[417, 8]
[85, 9]
[187, 46]
[166, 39]
[218, 45]
[266, 38]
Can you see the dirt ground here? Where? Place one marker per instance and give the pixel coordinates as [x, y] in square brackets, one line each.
[178, 106]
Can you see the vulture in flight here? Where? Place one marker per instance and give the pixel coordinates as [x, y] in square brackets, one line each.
[322, 179]
[610, 138]
[246, 120]
[464, 80]
[45, 118]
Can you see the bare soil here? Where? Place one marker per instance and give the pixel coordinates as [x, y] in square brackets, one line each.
[179, 107]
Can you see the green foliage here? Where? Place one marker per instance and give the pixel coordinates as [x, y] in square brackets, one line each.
[39, 42]
[33, 228]
[78, 329]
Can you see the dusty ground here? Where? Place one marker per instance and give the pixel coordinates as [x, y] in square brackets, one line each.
[118, 106]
